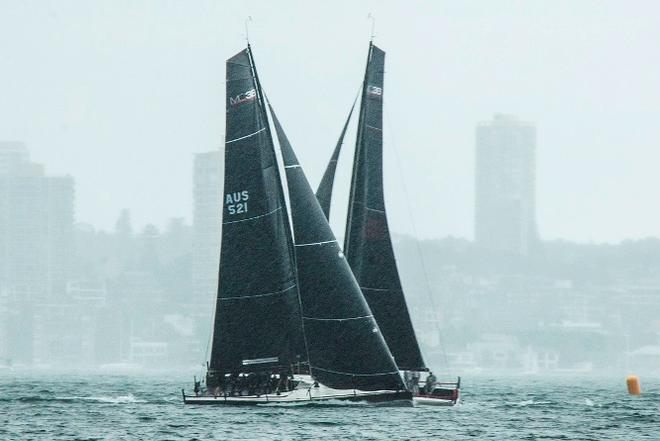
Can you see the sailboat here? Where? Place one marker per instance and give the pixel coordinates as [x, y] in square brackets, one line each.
[291, 324]
[367, 242]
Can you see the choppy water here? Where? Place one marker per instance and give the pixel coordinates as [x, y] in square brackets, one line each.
[46, 406]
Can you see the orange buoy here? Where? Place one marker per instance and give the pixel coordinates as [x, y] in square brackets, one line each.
[632, 381]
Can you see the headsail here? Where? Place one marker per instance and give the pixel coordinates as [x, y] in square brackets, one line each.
[324, 192]
[257, 321]
[346, 349]
[367, 245]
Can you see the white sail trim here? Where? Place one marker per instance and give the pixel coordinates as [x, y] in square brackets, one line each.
[260, 361]
[253, 217]
[252, 296]
[378, 210]
[374, 128]
[354, 374]
[292, 166]
[246, 136]
[338, 319]
[315, 243]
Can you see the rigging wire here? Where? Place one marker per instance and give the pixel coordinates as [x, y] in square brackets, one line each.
[207, 354]
[414, 228]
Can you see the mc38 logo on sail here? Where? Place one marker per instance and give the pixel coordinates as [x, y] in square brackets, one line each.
[236, 202]
[374, 90]
[243, 97]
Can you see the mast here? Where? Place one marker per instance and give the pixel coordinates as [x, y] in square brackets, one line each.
[257, 322]
[324, 192]
[367, 242]
[346, 348]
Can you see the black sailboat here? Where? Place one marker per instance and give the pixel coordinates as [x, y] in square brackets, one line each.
[367, 243]
[291, 323]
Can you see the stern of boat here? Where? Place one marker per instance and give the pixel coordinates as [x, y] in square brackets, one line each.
[444, 393]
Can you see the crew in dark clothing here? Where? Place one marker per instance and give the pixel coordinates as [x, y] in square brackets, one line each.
[430, 381]
[234, 383]
[212, 384]
[414, 382]
[242, 384]
[198, 387]
[274, 383]
[283, 386]
[251, 383]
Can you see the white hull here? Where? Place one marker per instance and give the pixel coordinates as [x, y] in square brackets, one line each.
[426, 401]
[305, 393]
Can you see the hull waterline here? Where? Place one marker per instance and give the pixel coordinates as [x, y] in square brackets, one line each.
[304, 395]
[427, 401]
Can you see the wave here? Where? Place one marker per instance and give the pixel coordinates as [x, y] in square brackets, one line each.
[590, 403]
[531, 402]
[121, 399]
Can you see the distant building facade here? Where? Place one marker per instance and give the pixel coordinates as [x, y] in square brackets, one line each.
[207, 209]
[36, 240]
[505, 202]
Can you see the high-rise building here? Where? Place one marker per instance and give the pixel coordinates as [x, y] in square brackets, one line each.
[207, 210]
[36, 239]
[505, 205]
[13, 156]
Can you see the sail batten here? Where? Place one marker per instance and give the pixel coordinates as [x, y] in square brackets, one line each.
[356, 374]
[254, 217]
[339, 319]
[246, 136]
[367, 242]
[251, 296]
[315, 243]
[345, 346]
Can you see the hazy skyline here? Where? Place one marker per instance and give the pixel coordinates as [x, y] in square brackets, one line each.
[121, 94]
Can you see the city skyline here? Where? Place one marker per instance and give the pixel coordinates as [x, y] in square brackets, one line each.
[130, 298]
[123, 109]
[201, 199]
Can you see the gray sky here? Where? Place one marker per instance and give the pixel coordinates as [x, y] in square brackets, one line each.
[120, 94]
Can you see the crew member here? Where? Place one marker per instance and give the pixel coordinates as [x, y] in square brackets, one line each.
[430, 381]
[198, 387]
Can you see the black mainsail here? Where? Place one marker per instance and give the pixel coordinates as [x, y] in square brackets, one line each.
[367, 244]
[257, 322]
[324, 191]
[346, 349]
